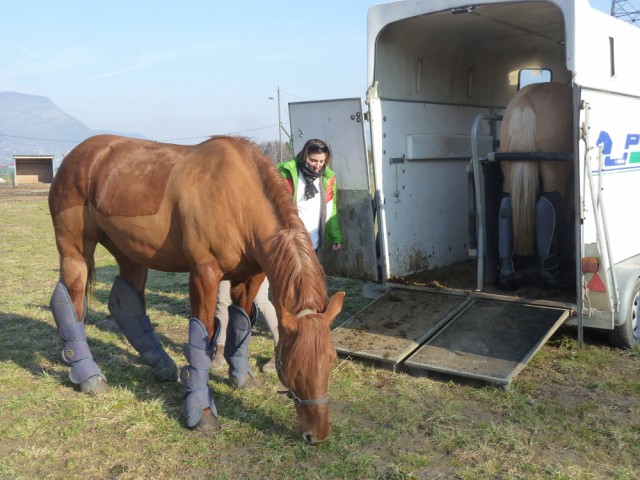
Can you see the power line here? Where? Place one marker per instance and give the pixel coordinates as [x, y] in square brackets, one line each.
[624, 10]
[39, 139]
[237, 132]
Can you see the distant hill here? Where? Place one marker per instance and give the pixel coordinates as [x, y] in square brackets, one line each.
[34, 125]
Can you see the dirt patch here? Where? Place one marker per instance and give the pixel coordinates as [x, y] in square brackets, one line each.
[23, 192]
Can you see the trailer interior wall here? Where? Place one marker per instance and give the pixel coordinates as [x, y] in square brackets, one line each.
[469, 58]
[432, 74]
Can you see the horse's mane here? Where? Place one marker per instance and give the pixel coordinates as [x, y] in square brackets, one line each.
[296, 264]
[305, 350]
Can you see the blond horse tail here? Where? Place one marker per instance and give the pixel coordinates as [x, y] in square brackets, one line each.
[524, 179]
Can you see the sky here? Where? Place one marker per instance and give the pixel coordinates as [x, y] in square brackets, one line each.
[183, 71]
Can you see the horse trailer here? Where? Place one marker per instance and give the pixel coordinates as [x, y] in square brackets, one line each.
[419, 207]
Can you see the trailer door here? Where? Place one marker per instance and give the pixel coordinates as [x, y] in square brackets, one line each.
[340, 124]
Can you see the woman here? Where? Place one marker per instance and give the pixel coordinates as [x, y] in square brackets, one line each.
[313, 186]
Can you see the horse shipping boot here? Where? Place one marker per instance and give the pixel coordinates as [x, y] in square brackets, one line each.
[236, 347]
[84, 371]
[506, 277]
[547, 214]
[199, 408]
[128, 311]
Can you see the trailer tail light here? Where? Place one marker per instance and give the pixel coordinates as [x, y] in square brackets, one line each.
[590, 264]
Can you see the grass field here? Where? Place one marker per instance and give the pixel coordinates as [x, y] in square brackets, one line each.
[571, 414]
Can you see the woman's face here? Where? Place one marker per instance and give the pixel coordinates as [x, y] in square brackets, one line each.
[316, 160]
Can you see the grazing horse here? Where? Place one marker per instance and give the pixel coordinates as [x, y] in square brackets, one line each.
[218, 210]
[539, 118]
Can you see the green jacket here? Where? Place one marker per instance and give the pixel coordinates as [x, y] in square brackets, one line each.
[332, 233]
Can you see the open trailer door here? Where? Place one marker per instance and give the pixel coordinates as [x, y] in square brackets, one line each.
[340, 124]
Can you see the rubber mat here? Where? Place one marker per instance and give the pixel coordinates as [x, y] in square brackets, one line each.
[489, 340]
[395, 325]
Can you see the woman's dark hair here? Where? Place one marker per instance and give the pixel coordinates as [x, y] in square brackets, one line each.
[313, 145]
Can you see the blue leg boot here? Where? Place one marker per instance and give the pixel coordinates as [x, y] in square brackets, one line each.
[506, 280]
[195, 377]
[547, 214]
[236, 348]
[127, 310]
[84, 371]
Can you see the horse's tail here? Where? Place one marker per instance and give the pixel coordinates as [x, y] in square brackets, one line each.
[524, 179]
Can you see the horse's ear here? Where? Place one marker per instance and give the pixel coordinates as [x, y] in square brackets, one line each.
[288, 321]
[334, 306]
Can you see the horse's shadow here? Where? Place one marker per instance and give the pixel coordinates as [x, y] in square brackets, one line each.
[121, 366]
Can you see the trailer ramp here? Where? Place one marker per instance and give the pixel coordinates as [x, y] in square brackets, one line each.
[460, 335]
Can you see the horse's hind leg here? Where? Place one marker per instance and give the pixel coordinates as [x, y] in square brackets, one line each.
[547, 216]
[548, 219]
[127, 308]
[506, 276]
[68, 304]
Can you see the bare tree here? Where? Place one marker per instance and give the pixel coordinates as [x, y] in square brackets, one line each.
[271, 150]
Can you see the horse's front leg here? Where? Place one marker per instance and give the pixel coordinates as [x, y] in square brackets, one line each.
[199, 408]
[236, 347]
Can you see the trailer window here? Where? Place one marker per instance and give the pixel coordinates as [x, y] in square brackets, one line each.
[527, 76]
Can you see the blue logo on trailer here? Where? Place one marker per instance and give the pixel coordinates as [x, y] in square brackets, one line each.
[629, 157]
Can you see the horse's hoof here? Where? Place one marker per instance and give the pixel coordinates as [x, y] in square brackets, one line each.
[95, 385]
[167, 374]
[508, 284]
[554, 279]
[242, 384]
[208, 422]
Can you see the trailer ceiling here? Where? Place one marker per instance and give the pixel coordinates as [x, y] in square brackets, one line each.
[469, 57]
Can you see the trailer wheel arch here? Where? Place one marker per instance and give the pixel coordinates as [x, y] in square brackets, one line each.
[626, 331]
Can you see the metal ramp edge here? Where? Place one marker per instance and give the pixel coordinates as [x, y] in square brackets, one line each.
[477, 338]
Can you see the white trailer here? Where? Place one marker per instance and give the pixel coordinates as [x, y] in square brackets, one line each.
[419, 212]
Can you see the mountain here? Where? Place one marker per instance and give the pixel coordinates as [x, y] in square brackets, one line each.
[34, 125]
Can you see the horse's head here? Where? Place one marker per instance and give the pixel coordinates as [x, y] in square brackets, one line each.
[304, 358]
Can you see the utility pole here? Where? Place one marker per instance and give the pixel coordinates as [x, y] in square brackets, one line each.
[279, 127]
[624, 10]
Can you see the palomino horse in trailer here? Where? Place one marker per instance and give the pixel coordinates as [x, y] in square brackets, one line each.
[218, 210]
[539, 118]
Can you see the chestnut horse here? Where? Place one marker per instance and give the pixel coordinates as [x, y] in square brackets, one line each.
[539, 118]
[218, 210]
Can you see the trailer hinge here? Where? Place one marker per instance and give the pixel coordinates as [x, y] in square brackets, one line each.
[397, 160]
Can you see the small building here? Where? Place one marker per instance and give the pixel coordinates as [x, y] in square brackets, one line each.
[32, 169]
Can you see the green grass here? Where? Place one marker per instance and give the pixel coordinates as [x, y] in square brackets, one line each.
[571, 414]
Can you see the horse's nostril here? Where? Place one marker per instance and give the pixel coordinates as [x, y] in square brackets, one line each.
[308, 438]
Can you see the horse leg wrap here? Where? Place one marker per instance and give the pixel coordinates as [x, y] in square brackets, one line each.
[236, 347]
[505, 238]
[195, 376]
[547, 214]
[76, 350]
[127, 310]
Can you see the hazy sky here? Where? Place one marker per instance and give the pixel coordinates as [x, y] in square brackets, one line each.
[182, 71]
